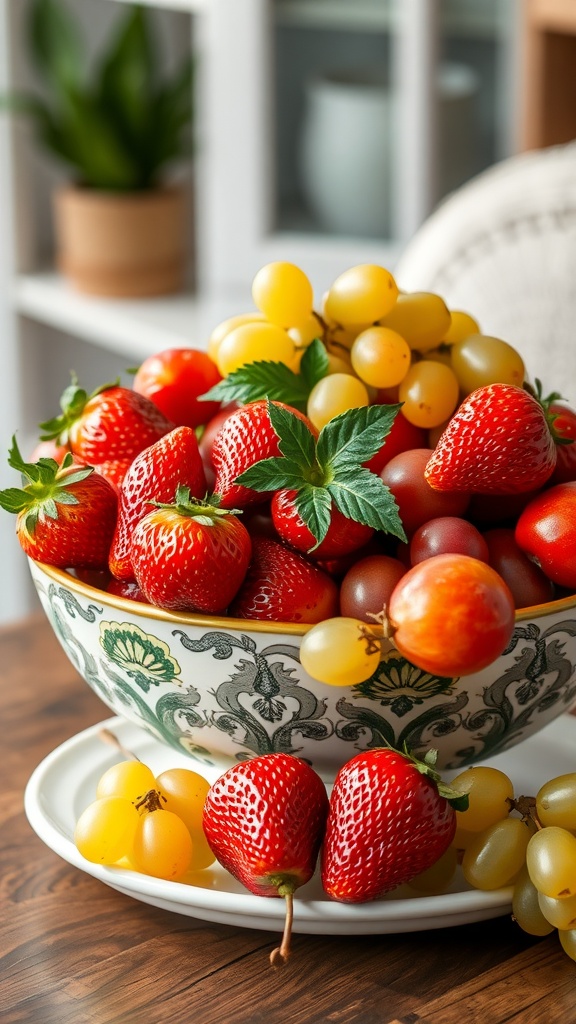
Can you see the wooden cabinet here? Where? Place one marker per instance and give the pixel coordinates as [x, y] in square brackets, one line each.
[548, 73]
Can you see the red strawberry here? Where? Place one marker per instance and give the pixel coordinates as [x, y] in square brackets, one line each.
[114, 470]
[388, 822]
[343, 536]
[564, 426]
[245, 438]
[264, 820]
[66, 514]
[190, 556]
[112, 423]
[282, 586]
[498, 441]
[154, 475]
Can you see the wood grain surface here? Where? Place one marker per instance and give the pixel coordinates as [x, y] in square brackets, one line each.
[73, 951]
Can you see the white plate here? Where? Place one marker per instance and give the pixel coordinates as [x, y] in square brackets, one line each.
[65, 782]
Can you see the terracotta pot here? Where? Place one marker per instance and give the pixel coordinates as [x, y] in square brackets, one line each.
[122, 244]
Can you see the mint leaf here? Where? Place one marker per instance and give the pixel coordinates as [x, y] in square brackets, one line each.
[354, 436]
[273, 474]
[361, 495]
[295, 438]
[314, 507]
[276, 381]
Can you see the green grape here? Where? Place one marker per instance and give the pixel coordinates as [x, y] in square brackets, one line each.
[130, 779]
[337, 652]
[422, 318]
[556, 802]
[463, 838]
[105, 831]
[551, 861]
[462, 326]
[480, 360]
[253, 342]
[283, 293]
[184, 792]
[568, 942]
[334, 394]
[497, 855]
[429, 392]
[224, 328]
[380, 357]
[437, 878]
[361, 295]
[162, 845]
[560, 913]
[489, 794]
[525, 906]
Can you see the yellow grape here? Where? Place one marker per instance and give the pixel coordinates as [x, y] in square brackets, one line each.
[526, 908]
[361, 295]
[335, 394]
[422, 318]
[336, 652]
[184, 793]
[429, 392]
[568, 942]
[437, 878]
[253, 342]
[480, 360]
[381, 357]
[339, 364]
[303, 335]
[497, 855]
[283, 293]
[130, 779]
[344, 337]
[202, 856]
[556, 802]
[162, 845]
[463, 838]
[462, 326]
[560, 913]
[224, 328]
[551, 862]
[105, 831]
[489, 794]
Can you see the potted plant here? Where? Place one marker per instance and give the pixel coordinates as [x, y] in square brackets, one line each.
[118, 123]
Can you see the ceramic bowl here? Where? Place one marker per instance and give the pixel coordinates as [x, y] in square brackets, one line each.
[225, 689]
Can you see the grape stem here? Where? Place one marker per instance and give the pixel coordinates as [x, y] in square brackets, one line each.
[107, 736]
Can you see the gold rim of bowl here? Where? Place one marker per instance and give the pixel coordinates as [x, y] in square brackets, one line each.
[224, 622]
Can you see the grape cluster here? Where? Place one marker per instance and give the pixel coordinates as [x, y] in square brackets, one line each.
[145, 823]
[528, 843]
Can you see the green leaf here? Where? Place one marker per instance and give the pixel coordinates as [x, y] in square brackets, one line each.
[295, 439]
[273, 474]
[314, 507]
[14, 499]
[314, 363]
[354, 436]
[362, 496]
[56, 46]
[260, 380]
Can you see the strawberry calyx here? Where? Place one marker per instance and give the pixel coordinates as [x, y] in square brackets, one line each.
[427, 766]
[545, 402]
[207, 511]
[73, 401]
[329, 470]
[48, 485]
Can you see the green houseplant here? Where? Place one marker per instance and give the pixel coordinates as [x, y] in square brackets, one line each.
[118, 124]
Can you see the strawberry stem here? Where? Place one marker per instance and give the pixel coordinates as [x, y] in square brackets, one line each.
[279, 956]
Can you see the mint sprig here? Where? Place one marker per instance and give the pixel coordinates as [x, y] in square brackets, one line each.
[329, 471]
[276, 381]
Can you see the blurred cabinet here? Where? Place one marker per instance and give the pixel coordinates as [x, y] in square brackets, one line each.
[326, 132]
[548, 76]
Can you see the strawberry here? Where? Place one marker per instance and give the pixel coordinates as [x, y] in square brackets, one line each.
[388, 821]
[245, 438]
[343, 536]
[564, 426]
[190, 555]
[114, 470]
[112, 423]
[66, 514]
[282, 586]
[264, 820]
[154, 475]
[498, 441]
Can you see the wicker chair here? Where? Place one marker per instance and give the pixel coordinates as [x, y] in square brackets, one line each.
[503, 248]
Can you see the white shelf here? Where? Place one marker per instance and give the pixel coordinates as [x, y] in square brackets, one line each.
[191, 6]
[135, 328]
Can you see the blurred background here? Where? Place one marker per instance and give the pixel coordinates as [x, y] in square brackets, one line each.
[320, 132]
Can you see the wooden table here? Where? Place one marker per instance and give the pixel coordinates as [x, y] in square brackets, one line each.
[73, 951]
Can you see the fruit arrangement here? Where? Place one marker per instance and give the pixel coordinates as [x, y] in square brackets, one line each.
[396, 463]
